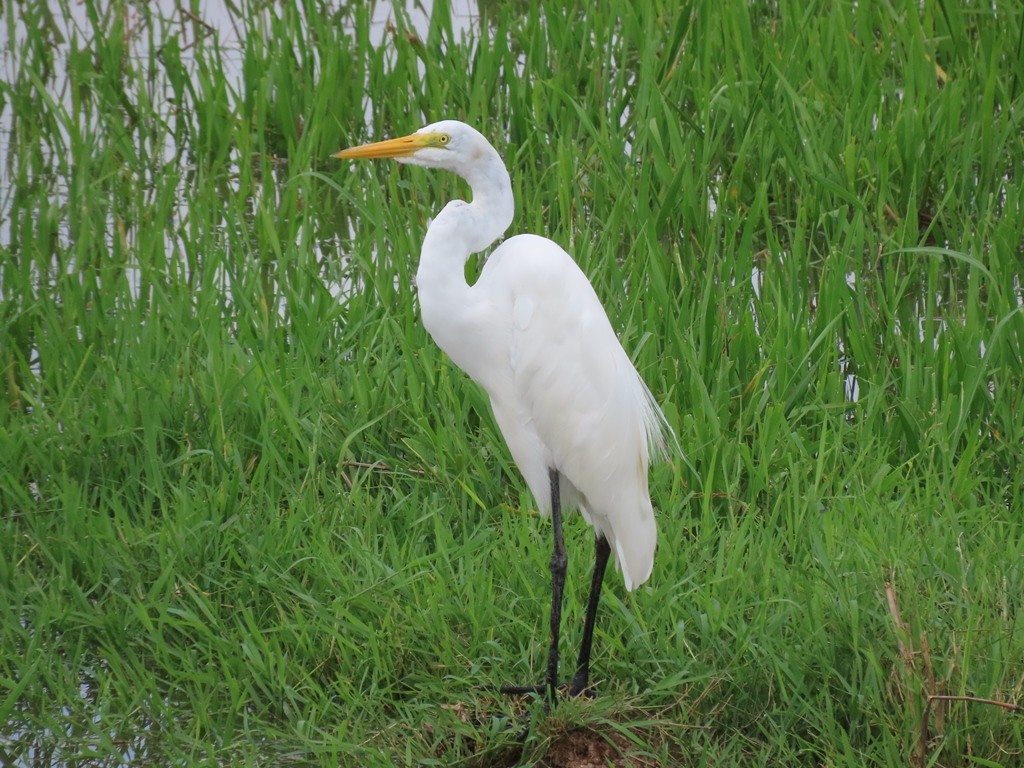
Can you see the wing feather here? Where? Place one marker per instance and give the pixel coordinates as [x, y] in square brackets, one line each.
[574, 400]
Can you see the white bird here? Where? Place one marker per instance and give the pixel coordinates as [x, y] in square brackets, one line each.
[579, 421]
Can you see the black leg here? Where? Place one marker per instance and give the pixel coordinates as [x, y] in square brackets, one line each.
[582, 678]
[559, 561]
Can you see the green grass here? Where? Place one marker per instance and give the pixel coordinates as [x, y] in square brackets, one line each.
[249, 514]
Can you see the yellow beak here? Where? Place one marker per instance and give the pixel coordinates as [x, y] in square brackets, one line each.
[403, 147]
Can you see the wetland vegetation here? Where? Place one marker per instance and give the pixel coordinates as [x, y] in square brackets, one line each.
[250, 515]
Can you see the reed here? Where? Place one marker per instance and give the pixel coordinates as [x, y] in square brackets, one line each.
[249, 514]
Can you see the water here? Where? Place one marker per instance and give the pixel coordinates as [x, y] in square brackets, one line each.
[68, 27]
[146, 30]
[40, 190]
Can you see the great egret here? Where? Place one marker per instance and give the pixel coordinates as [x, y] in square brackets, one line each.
[579, 421]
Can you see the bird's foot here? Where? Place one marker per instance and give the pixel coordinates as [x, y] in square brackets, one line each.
[582, 689]
[571, 689]
[524, 720]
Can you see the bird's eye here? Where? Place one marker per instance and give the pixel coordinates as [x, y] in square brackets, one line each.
[444, 138]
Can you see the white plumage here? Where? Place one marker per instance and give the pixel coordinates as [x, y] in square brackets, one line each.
[532, 332]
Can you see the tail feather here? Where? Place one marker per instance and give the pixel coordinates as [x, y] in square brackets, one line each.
[661, 438]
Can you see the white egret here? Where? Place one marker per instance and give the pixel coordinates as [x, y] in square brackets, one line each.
[579, 421]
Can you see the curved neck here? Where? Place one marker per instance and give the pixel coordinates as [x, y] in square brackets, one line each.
[448, 304]
[461, 229]
[493, 207]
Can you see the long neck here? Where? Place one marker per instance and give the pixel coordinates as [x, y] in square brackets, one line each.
[493, 206]
[448, 304]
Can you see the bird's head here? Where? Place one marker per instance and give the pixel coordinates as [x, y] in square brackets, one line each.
[447, 144]
[456, 147]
